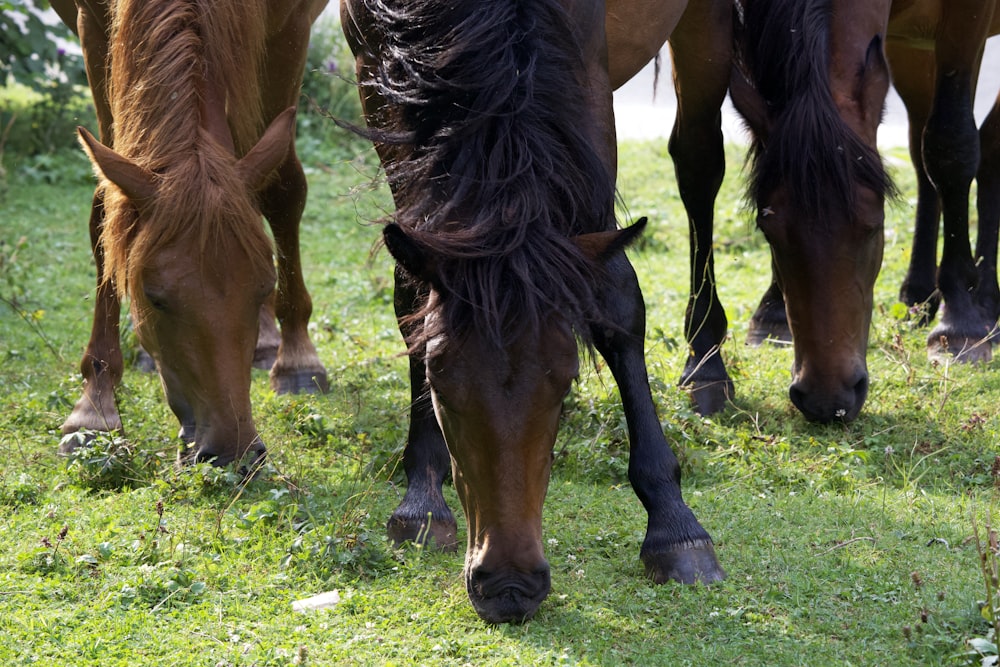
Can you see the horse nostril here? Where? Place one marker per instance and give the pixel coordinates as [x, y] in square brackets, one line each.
[797, 397]
[861, 389]
[478, 579]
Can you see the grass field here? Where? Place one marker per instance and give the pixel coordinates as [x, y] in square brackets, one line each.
[844, 544]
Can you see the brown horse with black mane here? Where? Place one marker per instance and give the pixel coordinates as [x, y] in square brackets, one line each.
[194, 102]
[934, 49]
[817, 183]
[493, 121]
[810, 78]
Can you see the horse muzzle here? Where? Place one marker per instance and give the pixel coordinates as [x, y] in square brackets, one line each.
[508, 596]
[825, 402]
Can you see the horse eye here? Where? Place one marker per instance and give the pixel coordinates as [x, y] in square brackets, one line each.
[157, 301]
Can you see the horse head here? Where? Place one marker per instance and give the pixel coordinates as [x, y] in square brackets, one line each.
[817, 184]
[188, 247]
[498, 402]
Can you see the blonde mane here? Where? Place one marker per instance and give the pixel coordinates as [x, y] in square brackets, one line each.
[164, 56]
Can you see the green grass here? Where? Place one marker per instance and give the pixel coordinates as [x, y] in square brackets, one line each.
[844, 544]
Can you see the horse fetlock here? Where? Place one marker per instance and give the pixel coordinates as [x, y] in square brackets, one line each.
[264, 357]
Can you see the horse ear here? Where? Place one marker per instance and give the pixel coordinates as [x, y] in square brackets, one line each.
[748, 101]
[600, 246]
[410, 254]
[138, 183]
[874, 82]
[258, 164]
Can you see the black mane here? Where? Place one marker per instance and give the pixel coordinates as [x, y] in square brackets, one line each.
[488, 108]
[782, 49]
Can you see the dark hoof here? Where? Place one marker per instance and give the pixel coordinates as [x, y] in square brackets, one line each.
[689, 563]
[436, 533]
[300, 382]
[773, 332]
[70, 441]
[922, 304]
[962, 349]
[144, 362]
[710, 398]
[264, 357]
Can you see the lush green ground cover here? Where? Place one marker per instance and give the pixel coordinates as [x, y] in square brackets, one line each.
[844, 544]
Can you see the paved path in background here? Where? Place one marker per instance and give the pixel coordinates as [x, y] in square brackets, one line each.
[639, 116]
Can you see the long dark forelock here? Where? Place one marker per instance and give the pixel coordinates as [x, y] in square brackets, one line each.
[502, 174]
[783, 51]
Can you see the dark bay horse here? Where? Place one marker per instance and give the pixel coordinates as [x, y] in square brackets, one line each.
[494, 124]
[935, 48]
[809, 78]
[194, 102]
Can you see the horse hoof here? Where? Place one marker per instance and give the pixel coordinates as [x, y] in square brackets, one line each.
[436, 533]
[144, 361]
[775, 333]
[300, 382]
[689, 563]
[961, 349]
[264, 357]
[70, 441]
[711, 397]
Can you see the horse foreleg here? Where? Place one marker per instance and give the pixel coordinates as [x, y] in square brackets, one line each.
[769, 322]
[102, 364]
[676, 546]
[423, 515]
[913, 78]
[297, 367]
[268, 336]
[696, 147]
[988, 205]
[951, 158]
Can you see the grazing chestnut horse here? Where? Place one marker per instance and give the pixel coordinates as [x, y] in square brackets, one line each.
[194, 102]
[494, 123]
[935, 48]
[810, 79]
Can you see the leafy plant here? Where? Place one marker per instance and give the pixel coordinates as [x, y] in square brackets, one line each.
[39, 54]
[988, 550]
[35, 52]
[103, 461]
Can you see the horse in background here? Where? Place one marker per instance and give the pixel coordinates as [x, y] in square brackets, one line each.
[194, 102]
[494, 124]
[934, 49]
[817, 184]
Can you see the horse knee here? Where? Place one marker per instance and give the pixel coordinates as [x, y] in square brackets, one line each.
[951, 152]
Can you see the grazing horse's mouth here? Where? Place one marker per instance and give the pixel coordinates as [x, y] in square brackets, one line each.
[510, 597]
